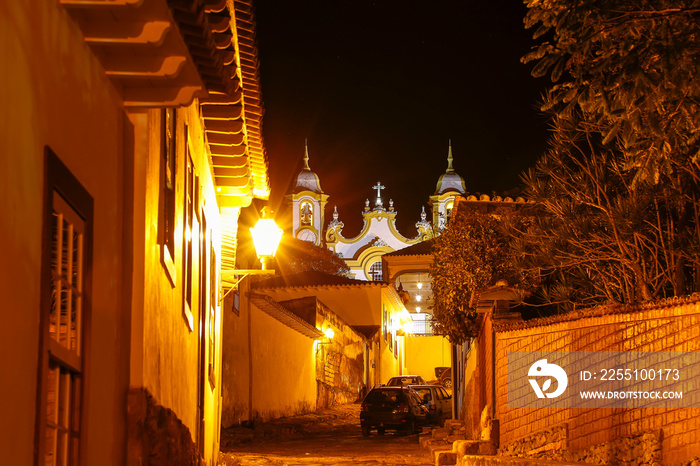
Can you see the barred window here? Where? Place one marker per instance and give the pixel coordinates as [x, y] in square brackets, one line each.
[68, 225]
[375, 271]
[168, 183]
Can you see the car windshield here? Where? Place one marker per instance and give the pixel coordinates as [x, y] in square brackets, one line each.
[405, 381]
[385, 396]
[422, 392]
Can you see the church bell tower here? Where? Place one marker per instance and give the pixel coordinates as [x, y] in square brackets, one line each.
[449, 186]
[308, 203]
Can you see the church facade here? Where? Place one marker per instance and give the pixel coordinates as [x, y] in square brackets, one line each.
[379, 235]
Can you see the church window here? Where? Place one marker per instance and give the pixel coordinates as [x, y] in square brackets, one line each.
[306, 214]
[448, 211]
[375, 271]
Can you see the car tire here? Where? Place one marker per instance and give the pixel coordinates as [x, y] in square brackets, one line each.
[447, 383]
[365, 431]
[411, 428]
[380, 430]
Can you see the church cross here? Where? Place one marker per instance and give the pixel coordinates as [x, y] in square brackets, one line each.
[379, 188]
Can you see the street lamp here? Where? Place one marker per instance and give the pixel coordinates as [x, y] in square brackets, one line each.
[266, 238]
[329, 333]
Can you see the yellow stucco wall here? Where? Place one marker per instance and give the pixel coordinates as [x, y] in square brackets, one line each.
[269, 369]
[165, 350]
[55, 94]
[424, 354]
[283, 369]
[392, 347]
[236, 360]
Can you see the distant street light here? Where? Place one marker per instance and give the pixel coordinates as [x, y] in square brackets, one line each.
[329, 334]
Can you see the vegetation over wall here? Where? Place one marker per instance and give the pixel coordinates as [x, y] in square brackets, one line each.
[616, 212]
[471, 254]
[618, 216]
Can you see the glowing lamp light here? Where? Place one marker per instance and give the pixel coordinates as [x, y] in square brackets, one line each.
[418, 309]
[266, 238]
[418, 297]
[420, 285]
[330, 333]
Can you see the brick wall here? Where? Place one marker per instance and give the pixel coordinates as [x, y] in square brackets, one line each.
[671, 325]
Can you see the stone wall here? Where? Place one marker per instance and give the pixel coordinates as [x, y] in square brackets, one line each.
[602, 435]
[340, 362]
[156, 436]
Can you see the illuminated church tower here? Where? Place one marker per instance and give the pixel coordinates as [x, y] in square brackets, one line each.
[308, 203]
[450, 185]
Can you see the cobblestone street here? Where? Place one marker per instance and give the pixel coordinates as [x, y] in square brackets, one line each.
[329, 438]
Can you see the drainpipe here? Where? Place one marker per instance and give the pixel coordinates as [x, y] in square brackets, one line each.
[456, 390]
[495, 425]
[493, 372]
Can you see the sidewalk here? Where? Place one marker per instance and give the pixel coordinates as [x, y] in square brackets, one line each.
[295, 427]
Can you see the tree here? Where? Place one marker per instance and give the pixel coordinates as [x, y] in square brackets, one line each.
[296, 256]
[630, 68]
[617, 216]
[594, 239]
[471, 254]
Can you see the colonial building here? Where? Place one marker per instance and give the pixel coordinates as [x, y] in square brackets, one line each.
[131, 139]
[324, 338]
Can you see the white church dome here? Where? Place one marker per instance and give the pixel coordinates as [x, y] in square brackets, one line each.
[306, 179]
[450, 180]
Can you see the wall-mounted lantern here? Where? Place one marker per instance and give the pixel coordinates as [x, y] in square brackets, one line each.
[329, 334]
[266, 239]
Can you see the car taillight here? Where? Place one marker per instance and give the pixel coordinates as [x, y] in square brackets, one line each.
[431, 409]
[401, 408]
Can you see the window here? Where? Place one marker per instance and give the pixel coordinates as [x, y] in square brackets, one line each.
[391, 334]
[190, 234]
[306, 214]
[168, 182]
[375, 271]
[385, 329]
[65, 265]
[236, 306]
[213, 303]
[448, 211]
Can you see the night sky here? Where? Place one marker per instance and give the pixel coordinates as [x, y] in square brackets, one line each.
[378, 89]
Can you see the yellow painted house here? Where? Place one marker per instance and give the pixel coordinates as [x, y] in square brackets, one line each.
[130, 140]
[373, 308]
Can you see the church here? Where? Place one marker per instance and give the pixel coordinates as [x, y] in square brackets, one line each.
[379, 235]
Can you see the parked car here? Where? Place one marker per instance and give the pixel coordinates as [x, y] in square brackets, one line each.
[392, 408]
[438, 402]
[444, 376]
[404, 380]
